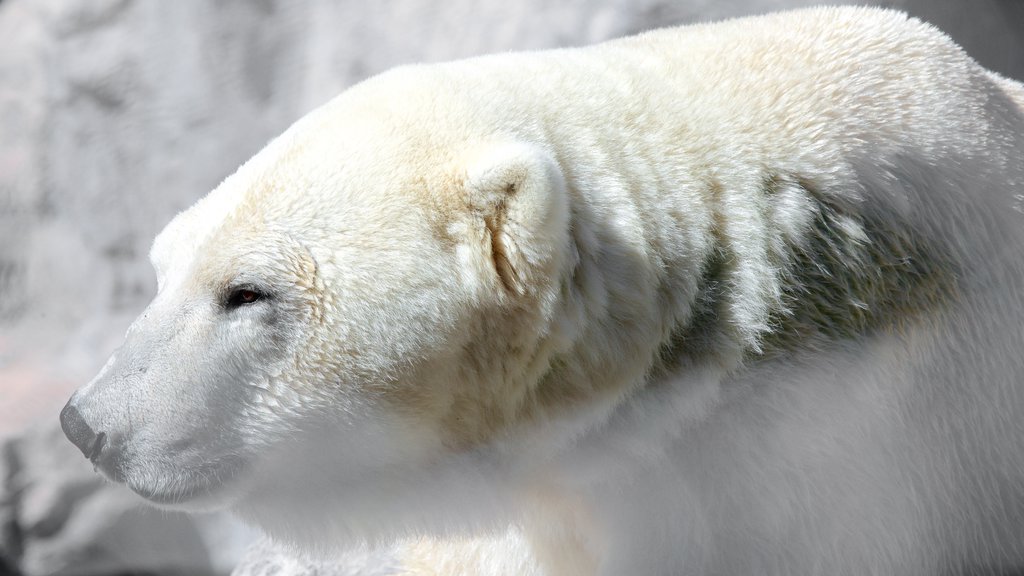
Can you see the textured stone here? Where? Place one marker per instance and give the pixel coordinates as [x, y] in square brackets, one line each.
[10, 532]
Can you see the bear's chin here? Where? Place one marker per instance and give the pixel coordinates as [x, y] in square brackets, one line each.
[211, 488]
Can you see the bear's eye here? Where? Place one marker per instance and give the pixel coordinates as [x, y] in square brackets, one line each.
[243, 296]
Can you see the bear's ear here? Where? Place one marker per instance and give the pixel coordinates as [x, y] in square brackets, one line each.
[519, 207]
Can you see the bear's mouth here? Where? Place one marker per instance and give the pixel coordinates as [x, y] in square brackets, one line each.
[204, 486]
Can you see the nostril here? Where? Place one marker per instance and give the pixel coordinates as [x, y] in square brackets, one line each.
[97, 446]
[80, 434]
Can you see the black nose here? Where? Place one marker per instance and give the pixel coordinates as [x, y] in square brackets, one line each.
[80, 433]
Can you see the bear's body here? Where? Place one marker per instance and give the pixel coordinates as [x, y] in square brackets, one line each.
[742, 298]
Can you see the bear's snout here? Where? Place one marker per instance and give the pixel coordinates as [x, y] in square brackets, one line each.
[80, 433]
[101, 446]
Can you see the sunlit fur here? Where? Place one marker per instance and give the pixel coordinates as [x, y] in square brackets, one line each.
[741, 298]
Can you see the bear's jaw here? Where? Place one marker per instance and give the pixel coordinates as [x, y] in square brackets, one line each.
[206, 489]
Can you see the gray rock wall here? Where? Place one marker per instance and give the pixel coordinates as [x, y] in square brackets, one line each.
[116, 114]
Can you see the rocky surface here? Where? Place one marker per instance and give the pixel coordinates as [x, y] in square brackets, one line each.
[116, 114]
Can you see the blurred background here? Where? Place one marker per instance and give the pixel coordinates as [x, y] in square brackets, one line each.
[117, 114]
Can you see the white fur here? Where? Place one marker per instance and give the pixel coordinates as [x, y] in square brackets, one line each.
[534, 313]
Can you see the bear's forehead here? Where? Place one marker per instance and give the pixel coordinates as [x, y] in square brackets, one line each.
[373, 170]
[258, 216]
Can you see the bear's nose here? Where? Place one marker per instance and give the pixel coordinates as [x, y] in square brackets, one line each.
[79, 432]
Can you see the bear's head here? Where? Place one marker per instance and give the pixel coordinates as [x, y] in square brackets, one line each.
[373, 292]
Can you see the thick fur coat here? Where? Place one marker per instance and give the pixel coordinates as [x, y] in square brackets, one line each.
[740, 298]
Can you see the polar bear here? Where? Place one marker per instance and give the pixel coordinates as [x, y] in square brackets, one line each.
[741, 298]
